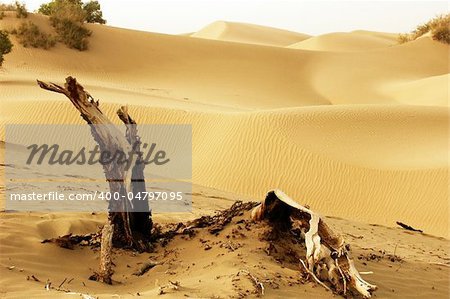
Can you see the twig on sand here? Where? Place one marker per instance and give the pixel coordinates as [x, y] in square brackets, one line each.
[407, 227]
[61, 284]
[145, 268]
[33, 277]
[83, 296]
[259, 285]
[314, 276]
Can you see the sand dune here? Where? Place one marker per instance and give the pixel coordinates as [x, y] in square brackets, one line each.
[352, 124]
[424, 91]
[311, 153]
[236, 76]
[259, 99]
[347, 41]
[249, 34]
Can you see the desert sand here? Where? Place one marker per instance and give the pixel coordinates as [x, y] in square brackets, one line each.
[354, 125]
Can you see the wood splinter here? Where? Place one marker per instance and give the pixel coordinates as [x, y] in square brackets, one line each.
[105, 255]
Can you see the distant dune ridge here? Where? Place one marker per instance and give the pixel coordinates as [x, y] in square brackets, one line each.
[249, 34]
[348, 41]
[353, 124]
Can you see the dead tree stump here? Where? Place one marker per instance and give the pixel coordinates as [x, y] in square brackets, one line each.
[131, 228]
[325, 249]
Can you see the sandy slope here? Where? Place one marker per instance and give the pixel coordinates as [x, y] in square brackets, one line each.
[249, 34]
[210, 273]
[352, 124]
[348, 41]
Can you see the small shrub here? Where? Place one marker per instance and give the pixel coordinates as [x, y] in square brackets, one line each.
[21, 10]
[420, 31]
[403, 38]
[29, 35]
[439, 27]
[441, 33]
[2, 15]
[5, 45]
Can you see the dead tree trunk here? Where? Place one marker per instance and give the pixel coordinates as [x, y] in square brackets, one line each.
[131, 229]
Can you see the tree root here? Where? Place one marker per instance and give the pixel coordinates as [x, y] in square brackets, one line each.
[325, 250]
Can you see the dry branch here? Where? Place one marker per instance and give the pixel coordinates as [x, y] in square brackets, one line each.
[324, 248]
[314, 276]
[259, 285]
[408, 227]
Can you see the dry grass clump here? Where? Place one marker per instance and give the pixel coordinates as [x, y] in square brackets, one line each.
[438, 27]
[29, 35]
[19, 8]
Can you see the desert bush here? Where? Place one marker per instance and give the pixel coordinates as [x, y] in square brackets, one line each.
[403, 38]
[89, 12]
[442, 33]
[21, 10]
[29, 35]
[68, 18]
[438, 27]
[66, 10]
[2, 15]
[5, 45]
[73, 34]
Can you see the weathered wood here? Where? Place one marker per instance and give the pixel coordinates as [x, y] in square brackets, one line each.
[324, 248]
[141, 220]
[106, 272]
[130, 229]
